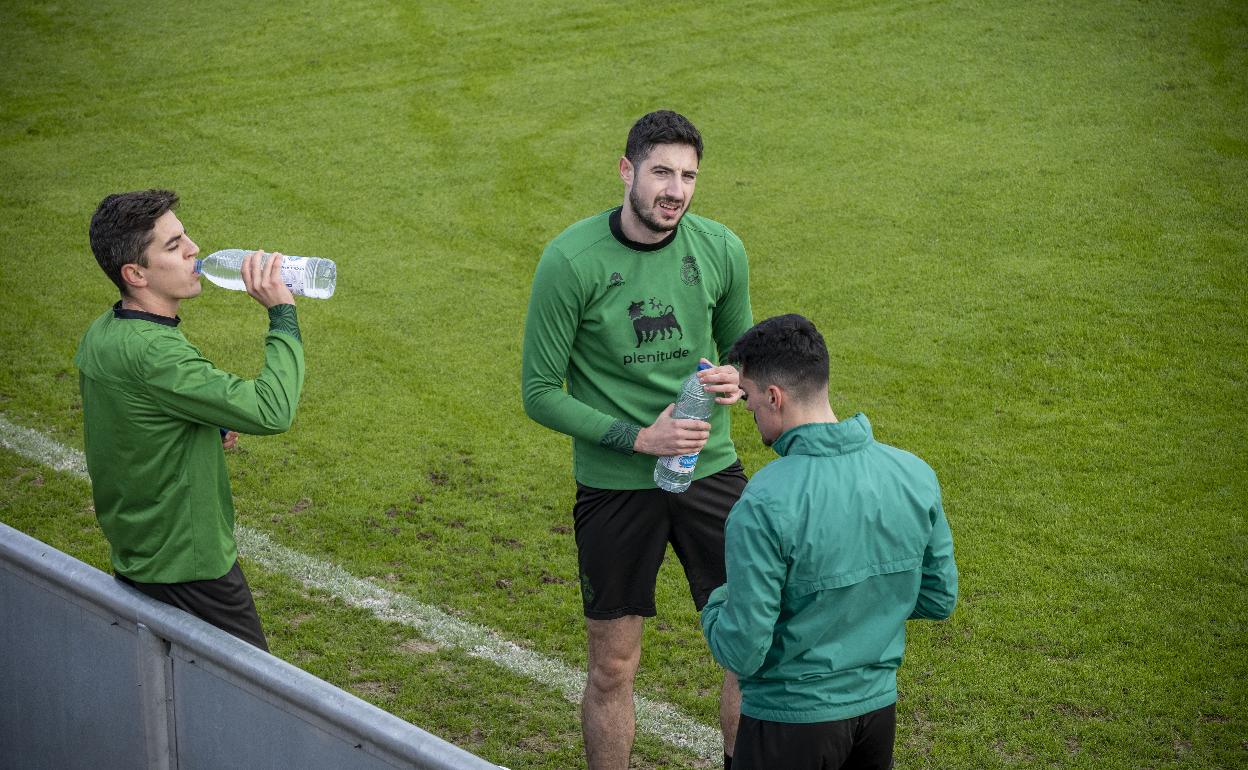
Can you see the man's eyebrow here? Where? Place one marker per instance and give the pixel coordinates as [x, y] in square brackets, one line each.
[665, 167]
[174, 239]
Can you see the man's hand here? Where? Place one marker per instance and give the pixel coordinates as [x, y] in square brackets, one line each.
[669, 437]
[725, 380]
[264, 284]
[229, 440]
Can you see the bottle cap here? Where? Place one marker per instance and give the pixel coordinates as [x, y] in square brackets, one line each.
[199, 266]
[702, 366]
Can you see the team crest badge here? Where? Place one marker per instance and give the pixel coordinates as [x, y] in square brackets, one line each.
[689, 272]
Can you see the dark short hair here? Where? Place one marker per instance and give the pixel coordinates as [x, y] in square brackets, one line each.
[122, 228]
[660, 127]
[786, 350]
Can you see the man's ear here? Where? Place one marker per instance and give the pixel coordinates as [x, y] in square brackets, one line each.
[132, 275]
[626, 170]
[775, 397]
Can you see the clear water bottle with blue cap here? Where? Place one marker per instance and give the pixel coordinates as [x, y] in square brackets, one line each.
[675, 474]
[305, 276]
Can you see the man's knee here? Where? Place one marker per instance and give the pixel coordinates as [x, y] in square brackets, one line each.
[614, 652]
[607, 673]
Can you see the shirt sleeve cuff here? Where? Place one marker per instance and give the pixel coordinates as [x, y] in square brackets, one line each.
[282, 318]
[620, 437]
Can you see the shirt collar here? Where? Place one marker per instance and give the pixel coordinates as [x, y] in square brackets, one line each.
[617, 230]
[141, 315]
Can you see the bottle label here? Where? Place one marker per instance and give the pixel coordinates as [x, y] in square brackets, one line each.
[680, 463]
[294, 272]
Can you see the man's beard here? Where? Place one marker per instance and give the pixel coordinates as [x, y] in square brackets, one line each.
[647, 216]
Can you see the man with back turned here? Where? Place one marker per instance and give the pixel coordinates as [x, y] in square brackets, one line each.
[830, 550]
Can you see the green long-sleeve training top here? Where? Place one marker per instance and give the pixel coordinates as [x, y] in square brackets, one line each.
[623, 324]
[151, 409]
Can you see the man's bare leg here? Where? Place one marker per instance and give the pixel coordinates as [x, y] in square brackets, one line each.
[608, 719]
[729, 710]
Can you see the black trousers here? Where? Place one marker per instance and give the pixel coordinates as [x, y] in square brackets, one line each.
[225, 602]
[858, 743]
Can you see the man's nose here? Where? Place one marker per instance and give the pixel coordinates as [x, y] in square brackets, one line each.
[194, 249]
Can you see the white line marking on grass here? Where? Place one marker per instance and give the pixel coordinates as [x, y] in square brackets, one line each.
[662, 720]
[38, 447]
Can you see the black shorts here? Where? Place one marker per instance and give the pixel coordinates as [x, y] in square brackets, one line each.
[224, 602]
[858, 743]
[622, 537]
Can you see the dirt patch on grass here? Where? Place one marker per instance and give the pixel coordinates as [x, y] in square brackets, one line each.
[549, 744]
[371, 689]
[1094, 713]
[1015, 757]
[419, 647]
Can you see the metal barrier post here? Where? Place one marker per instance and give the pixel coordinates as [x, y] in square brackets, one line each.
[156, 699]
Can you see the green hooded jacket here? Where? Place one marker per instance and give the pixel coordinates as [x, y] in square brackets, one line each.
[829, 551]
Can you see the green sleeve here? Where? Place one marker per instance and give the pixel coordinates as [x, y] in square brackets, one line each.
[733, 315]
[189, 386]
[550, 327]
[740, 617]
[938, 589]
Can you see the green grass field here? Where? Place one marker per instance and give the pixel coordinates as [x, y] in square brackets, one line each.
[1020, 226]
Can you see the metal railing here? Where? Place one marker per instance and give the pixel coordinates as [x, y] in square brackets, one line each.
[94, 674]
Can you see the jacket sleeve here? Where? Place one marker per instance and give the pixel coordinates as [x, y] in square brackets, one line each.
[189, 386]
[739, 620]
[733, 315]
[550, 326]
[938, 590]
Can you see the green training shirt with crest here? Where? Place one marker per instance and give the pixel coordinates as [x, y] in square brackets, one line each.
[622, 324]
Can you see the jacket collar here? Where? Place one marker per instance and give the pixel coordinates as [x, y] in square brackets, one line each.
[826, 438]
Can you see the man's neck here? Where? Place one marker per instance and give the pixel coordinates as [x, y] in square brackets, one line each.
[148, 304]
[798, 415]
[634, 230]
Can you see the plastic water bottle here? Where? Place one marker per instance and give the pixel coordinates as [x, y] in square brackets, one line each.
[304, 276]
[674, 474]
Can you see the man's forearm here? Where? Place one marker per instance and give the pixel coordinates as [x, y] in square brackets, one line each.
[283, 318]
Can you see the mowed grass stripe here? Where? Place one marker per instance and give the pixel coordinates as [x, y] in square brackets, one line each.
[662, 720]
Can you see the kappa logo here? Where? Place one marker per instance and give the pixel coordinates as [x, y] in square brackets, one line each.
[689, 272]
[649, 327]
[616, 280]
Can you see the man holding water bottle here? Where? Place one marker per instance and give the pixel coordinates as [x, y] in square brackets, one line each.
[624, 306]
[151, 409]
